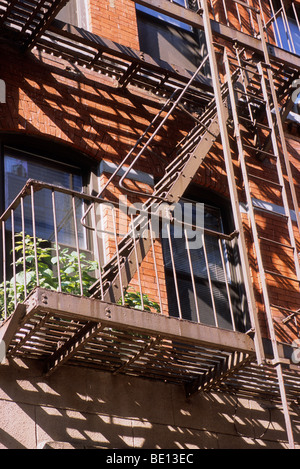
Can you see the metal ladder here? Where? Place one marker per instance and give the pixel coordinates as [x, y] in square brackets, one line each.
[264, 103]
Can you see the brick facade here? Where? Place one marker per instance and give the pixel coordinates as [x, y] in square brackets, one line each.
[115, 20]
[47, 99]
[52, 99]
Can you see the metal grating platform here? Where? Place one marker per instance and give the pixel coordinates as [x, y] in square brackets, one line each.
[26, 20]
[59, 328]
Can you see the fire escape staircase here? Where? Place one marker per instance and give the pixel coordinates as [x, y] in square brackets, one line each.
[188, 158]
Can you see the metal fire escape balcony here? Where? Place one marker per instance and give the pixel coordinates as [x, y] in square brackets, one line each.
[59, 328]
[26, 21]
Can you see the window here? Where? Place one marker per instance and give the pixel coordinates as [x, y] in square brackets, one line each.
[19, 166]
[287, 26]
[207, 279]
[170, 40]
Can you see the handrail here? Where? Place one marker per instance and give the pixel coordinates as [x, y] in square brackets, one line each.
[39, 185]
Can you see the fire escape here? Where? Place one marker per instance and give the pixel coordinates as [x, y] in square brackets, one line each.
[251, 102]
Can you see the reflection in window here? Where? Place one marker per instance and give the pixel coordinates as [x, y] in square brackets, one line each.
[18, 168]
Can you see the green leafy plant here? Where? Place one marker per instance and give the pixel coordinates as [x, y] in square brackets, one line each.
[25, 279]
[133, 300]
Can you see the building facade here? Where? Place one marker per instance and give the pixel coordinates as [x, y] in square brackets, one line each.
[149, 224]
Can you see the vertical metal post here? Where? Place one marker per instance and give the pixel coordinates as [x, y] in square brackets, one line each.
[56, 240]
[174, 270]
[232, 184]
[77, 244]
[192, 274]
[13, 236]
[96, 248]
[210, 282]
[296, 15]
[118, 254]
[155, 266]
[137, 262]
[251, 19]
[287, 28]
[24, 246]
[239, 17]
[226, 13]
[4, 268]
[34, 236]
[227, 284]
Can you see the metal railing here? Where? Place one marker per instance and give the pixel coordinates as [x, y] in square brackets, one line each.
[53, 250]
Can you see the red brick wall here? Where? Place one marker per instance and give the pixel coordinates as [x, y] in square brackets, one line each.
[115, 20]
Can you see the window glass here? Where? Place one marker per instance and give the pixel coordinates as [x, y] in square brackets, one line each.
[169, 39]
[288, 36]
[18, 168]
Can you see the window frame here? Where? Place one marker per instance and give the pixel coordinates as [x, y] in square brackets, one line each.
[52, 153]
[175, 42]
